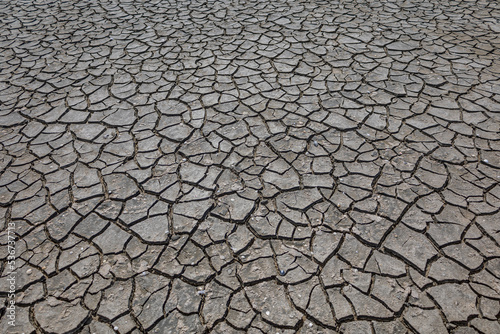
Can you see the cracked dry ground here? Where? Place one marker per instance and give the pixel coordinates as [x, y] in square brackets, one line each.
[251, 166]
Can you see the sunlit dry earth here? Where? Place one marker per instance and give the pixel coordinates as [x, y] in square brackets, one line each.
[250, 167]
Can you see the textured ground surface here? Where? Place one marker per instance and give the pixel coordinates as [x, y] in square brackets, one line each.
[251, 166]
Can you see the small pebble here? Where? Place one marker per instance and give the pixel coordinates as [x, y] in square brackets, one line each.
[282, 272]
[315, 143]
[201, 292]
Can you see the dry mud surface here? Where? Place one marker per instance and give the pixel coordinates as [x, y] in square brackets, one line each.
[250, 166]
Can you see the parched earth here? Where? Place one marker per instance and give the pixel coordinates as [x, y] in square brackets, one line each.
[250, 166]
